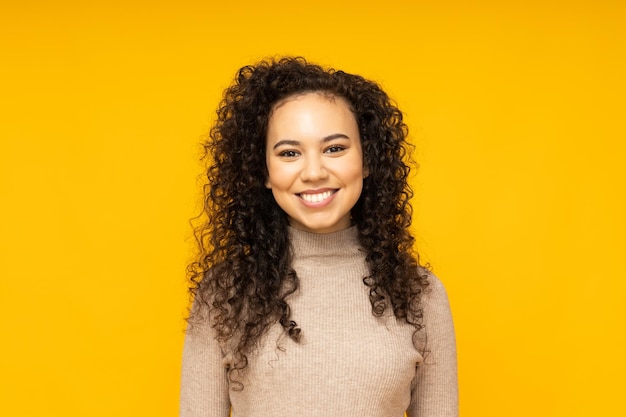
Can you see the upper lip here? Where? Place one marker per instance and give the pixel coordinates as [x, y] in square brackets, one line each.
[317, 191]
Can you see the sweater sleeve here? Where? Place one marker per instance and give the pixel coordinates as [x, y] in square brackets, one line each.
[204, 382]
[435, 390]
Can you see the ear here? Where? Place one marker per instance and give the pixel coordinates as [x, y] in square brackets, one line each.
[266, 174]
[366, 171]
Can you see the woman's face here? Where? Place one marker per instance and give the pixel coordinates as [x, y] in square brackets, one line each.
[314, 161]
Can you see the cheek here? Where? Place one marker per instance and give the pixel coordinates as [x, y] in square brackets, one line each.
[359, 172]
[279, 176]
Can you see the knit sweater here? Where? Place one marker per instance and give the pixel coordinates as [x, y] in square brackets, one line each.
[347, 363]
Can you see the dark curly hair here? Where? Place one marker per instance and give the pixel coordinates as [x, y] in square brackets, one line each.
[243, 276]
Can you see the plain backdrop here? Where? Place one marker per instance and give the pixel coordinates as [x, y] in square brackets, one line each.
[517, 111]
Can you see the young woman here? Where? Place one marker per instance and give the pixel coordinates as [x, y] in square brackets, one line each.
[309, 298]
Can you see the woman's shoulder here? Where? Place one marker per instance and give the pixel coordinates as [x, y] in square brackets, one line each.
[435, 292]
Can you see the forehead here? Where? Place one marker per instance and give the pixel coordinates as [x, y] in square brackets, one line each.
[325, 95]
[313, 116]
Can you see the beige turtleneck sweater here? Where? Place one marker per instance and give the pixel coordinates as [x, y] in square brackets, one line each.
[348, 362]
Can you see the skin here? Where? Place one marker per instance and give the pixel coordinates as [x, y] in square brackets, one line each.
[315, 161]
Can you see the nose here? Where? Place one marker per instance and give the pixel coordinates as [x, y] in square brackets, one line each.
[313, 169]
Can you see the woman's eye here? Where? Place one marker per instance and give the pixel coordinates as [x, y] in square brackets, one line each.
[288, 154]
[333, 149]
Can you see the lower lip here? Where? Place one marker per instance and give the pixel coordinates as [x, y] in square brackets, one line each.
[319, 203]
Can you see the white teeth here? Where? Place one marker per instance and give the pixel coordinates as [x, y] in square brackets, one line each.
[316, 198]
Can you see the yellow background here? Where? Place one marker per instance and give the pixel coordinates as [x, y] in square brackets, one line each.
[518, 113]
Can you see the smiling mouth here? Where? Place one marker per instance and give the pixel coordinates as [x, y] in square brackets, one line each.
[316, 198]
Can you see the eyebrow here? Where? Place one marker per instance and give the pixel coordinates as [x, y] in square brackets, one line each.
[325, 139]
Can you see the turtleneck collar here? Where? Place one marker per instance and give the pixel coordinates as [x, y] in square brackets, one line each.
[343, 244]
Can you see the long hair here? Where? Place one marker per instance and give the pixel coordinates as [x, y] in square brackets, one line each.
[242, 275]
